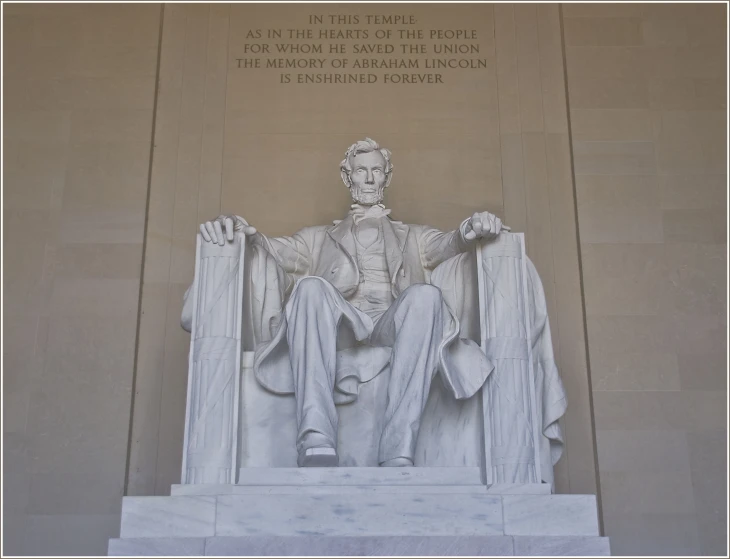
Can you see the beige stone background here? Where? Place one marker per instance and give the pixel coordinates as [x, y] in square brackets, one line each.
[648, 106]
[79, 90]
[99, 237]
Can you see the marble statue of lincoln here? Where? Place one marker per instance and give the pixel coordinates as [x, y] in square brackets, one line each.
[363, 283]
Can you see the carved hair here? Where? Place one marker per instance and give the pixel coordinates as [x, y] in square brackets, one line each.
[364, 146]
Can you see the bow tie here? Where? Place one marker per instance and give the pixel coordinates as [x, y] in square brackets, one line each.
[359, 212]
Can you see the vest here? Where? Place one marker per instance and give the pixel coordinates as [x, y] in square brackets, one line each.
[373, 295]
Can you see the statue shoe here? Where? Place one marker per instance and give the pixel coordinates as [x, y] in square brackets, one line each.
[399, 462]
[319, 457]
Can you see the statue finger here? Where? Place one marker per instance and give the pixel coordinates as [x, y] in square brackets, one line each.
[219, 233]
[229, 228]
[211, 231]
[204, 232]
[497, 225]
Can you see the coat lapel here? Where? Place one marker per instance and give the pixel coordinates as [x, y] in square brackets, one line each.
[342, 235]
[395, 234]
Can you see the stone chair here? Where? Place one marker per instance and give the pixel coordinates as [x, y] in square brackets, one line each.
[508, 429]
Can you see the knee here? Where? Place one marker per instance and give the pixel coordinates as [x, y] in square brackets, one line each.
[424, 293]
[310, 288]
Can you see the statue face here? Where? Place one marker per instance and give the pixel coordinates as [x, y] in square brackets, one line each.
[368, 178]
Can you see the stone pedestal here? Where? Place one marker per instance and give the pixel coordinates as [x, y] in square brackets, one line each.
[360, 511]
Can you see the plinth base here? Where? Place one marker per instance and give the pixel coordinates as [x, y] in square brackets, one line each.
[360, 511]
[416, 546]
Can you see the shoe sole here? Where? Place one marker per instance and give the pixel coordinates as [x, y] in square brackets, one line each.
[319, 461]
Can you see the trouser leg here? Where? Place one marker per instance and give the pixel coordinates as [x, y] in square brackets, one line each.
[312, 337]
[413, 327]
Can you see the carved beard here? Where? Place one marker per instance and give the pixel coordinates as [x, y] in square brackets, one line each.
[367, 198]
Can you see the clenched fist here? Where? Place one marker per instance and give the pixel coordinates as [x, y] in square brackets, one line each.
[483, 225]
[222, 227]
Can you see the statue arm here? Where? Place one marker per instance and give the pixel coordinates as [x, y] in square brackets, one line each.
[437, 247]
[293, 254]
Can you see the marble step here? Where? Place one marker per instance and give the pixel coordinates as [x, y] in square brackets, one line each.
[359, 480]
[227, 489]
[359, 476]
[375, 514]
[582, 546]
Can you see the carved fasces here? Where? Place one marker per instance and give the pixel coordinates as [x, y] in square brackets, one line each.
[510, 427]
[211, 418]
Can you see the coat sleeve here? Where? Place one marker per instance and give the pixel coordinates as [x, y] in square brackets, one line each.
[436, 246]
[293, 254]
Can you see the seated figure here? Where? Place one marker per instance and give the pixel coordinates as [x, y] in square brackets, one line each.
[332, 307]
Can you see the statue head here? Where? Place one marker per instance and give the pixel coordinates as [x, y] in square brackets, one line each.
[366, 171]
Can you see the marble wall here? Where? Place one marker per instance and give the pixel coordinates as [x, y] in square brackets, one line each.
[79, 85]
[647, 108]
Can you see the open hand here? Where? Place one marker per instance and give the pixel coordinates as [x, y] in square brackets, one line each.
[484, 225]
[221, 229]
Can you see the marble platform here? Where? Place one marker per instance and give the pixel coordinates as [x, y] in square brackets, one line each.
[585, 546]
[360, 511]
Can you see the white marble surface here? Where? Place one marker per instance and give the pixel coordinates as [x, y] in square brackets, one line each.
[165, 547]
[268, 427]
[550, 515]
[210, 453]
[397, 287]
[346, 515]
[359, 511]
[577, 546]
[350, 481]
[451, 430]
[418, 546]
[359, 476]
[208, 489]
[450, 434]
[353, 515]
[520, 489]
[187, 516]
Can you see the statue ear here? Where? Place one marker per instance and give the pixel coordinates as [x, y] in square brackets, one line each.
[387, 182]
[346, 178]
